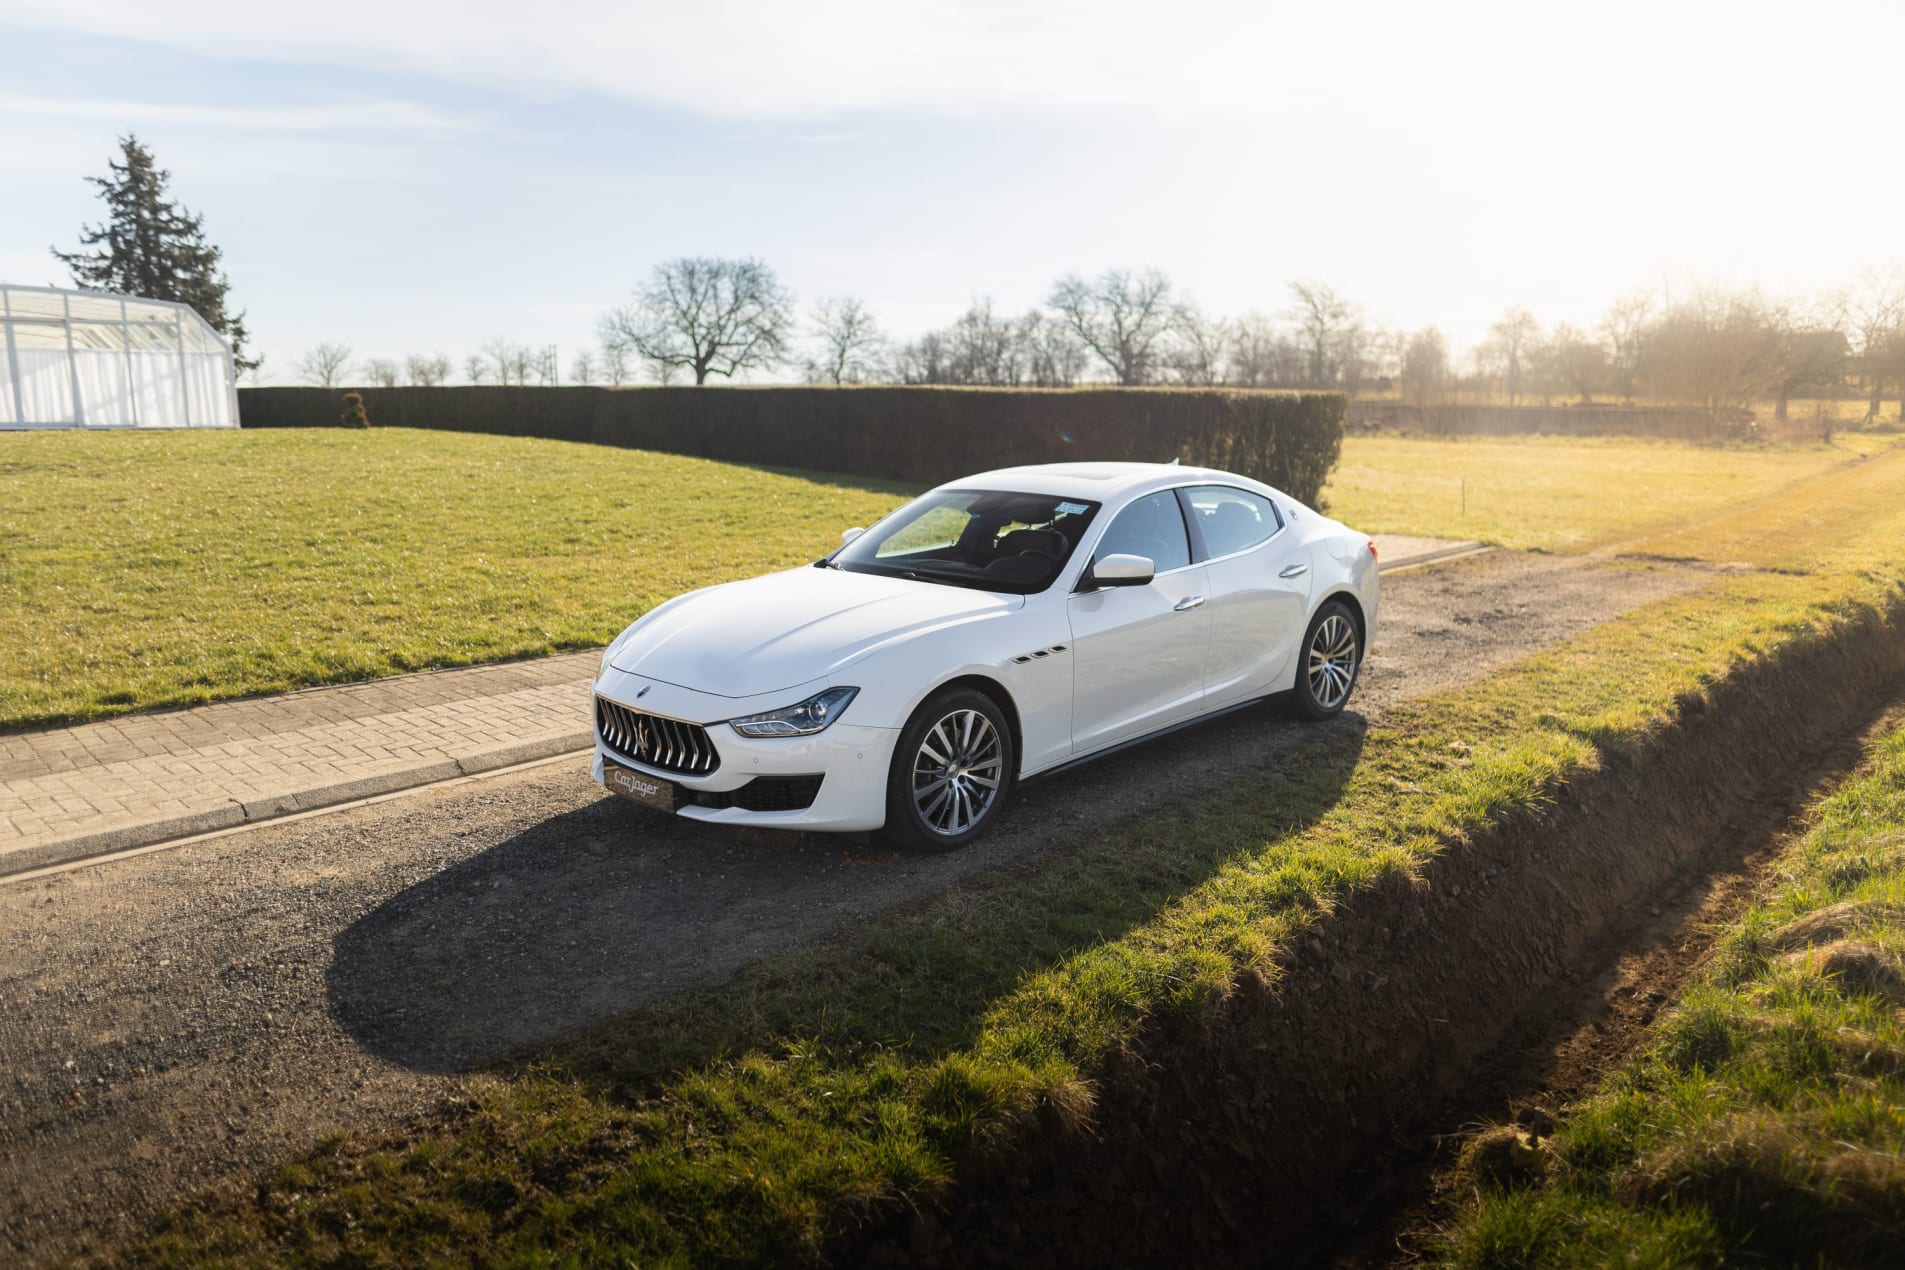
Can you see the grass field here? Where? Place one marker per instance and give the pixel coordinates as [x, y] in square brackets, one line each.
[143, 570]
[1765, 1124]
[752, 1125]
[1561, 494]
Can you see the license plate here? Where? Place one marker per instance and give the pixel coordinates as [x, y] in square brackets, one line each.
[650, 791]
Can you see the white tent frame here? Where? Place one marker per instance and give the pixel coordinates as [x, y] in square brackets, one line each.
[166, 325]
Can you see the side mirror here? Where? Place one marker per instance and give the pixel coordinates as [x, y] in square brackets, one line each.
[1123, 570]
[848, 535]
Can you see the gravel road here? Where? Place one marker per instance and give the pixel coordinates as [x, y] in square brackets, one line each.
[182, 1021]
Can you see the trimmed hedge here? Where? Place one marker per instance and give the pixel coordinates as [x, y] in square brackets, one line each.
[928, 435]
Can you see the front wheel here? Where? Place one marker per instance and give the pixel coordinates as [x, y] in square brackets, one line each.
[1332, 656]
[951, 772]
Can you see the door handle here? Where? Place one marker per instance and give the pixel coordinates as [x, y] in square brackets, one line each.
[1187, 604]
[1294, 571]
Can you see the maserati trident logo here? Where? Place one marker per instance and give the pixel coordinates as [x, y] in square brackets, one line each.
[641, 737]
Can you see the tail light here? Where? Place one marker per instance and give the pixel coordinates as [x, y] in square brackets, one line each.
[1372, 548]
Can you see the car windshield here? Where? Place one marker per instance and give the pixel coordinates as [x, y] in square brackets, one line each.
[990, 540]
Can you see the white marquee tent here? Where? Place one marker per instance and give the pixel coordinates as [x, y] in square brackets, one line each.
[92, 359]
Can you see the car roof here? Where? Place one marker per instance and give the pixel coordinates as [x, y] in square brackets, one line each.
[1097, 482]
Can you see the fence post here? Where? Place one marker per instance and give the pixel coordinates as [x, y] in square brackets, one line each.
[13, 360]
[72, 363]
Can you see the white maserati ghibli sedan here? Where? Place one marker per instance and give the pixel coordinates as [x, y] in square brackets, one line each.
[999, 628]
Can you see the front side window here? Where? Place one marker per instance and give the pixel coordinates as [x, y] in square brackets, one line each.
[991, 540]
[1231, 520]
[1152, 527]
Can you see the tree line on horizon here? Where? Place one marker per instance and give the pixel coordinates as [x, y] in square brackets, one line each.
[700, 318]
[1712, 348]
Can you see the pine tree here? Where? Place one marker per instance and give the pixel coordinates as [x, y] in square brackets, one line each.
[151, 246]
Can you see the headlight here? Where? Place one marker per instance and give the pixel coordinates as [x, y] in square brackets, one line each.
[805, 719]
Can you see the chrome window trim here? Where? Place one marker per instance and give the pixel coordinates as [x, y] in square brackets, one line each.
[1282, 523]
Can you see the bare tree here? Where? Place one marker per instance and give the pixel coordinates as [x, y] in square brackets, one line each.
[1121, 317]
[1328, 325]
[614, 365]
[1625, 328]
[381, 372]
[1714, 349]
[1512, 343]
[706, 317]
[582, 367]
[426, 372]
[927, 360]
[1263, 356]
[256, 371]
[323, 365]
[1052, 355]
[1425, 368]
[513, 363]
[1810, 348]
[981, 348]
[476, 368]
[1875, 311]
[1384, 350]
[849, 345]
[1572, 362]
[1200, 351]
[985, 348]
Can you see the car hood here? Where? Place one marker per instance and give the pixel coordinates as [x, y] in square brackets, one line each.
[746, 638]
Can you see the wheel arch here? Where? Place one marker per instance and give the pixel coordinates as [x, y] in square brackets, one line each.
[1001, 696]
[1354, 604]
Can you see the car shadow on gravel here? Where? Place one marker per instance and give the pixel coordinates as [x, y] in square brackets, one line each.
[598, 936]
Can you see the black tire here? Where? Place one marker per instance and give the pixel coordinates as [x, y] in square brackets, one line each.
[961, 731]
[1328, 662]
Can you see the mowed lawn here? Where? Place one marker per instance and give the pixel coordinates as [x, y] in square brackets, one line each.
[1561, 494]
[141, 570]
[158, 569]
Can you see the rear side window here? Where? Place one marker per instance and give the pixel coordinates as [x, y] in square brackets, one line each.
[1152, 527]
[1231, 520]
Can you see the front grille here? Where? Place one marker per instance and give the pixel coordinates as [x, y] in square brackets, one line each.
[766, 793]
[669, 744]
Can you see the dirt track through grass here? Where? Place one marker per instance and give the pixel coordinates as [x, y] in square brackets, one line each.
[1562, 494]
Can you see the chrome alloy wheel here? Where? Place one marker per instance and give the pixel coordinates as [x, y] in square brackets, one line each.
[956, 772]
[1332, 661]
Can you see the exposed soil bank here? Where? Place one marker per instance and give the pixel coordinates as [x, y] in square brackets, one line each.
[1229, 1144]
[1393, 1203]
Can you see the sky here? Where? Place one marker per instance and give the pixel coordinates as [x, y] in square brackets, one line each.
[423, 176]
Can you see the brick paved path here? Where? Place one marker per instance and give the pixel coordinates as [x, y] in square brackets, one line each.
[99, 787]
[70, 793]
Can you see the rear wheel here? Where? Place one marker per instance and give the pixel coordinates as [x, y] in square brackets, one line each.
[1332, 656]
[951, 772]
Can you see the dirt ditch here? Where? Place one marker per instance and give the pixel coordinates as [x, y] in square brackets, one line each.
[1297, 1126]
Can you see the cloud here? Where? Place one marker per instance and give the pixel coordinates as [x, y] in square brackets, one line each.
[1194, 58]
[334, 117]
[741, 59]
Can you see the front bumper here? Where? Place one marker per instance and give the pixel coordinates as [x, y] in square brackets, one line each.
[852, 759]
